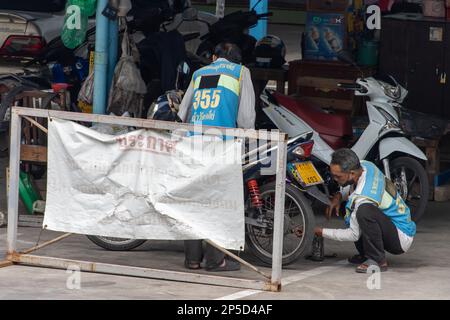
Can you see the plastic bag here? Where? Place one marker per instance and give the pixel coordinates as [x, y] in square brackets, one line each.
[128, 88]
[75, 22]
[86, 93]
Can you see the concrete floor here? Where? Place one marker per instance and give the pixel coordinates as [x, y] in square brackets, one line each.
[422, 273]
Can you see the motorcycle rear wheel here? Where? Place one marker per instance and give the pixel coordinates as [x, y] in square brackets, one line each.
[298, 214]
[116, 244]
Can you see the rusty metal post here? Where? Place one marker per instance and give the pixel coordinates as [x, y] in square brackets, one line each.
[14, 171]
[280, 139]
[277, 253]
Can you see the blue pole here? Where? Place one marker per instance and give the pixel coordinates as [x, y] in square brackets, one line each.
[101, 59]
[113, 45]
[260, 30]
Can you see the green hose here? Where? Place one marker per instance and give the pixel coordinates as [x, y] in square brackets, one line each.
[27, 193]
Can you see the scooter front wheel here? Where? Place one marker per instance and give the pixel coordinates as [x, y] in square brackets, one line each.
[411, 181]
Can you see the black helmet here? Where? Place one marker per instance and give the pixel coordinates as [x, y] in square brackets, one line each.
[270, 52]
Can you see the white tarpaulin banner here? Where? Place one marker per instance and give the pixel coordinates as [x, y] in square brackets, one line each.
[144, 184]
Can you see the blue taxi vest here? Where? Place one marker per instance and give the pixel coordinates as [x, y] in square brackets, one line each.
[388, 201]
[216, 94]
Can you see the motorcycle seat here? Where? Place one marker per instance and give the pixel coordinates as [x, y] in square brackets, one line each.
[331, 127]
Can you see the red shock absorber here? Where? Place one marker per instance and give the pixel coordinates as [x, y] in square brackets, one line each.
[255, 194]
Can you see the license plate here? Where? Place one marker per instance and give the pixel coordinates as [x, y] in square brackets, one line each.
[308, 174]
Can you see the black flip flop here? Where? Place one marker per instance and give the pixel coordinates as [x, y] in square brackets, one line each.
[229, 266]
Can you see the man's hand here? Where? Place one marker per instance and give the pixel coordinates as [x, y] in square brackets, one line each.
[334, 205]
[318, 231]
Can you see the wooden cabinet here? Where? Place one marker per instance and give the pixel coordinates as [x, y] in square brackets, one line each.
[416, 51]
[446, 93]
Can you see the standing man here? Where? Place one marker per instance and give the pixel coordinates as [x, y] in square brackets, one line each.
[377, 217]
[220, 94]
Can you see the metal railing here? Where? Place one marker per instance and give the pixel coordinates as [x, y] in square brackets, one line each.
[278, 139]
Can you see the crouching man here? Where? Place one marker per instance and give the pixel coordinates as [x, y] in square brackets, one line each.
[377, 218]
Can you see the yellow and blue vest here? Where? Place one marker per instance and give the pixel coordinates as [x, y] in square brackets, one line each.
[382, 192]
[216, 94]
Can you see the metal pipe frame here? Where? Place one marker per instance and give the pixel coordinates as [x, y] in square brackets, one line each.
[274, 284]
[105, 268]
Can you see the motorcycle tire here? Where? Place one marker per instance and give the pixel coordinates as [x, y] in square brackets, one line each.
[416, 195]
[305, 213]
[116, 244]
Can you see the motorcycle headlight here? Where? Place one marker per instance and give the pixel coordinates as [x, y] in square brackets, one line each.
[393, 92]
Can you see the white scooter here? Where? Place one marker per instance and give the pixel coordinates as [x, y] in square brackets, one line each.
[382, 142]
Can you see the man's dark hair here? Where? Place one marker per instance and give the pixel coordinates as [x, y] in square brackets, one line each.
[229, 51]
[346, 159]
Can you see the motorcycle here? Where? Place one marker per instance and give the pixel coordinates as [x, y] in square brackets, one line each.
[61, 65]
[55, 64]
[302, 184]
[55, 67]
[382, 142]
[232, 28]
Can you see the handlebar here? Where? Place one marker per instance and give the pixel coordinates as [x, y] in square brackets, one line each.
[349, 86]
[352, 86]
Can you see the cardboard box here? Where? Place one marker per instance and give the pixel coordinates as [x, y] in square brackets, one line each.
[328, 5]
[325, 36]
